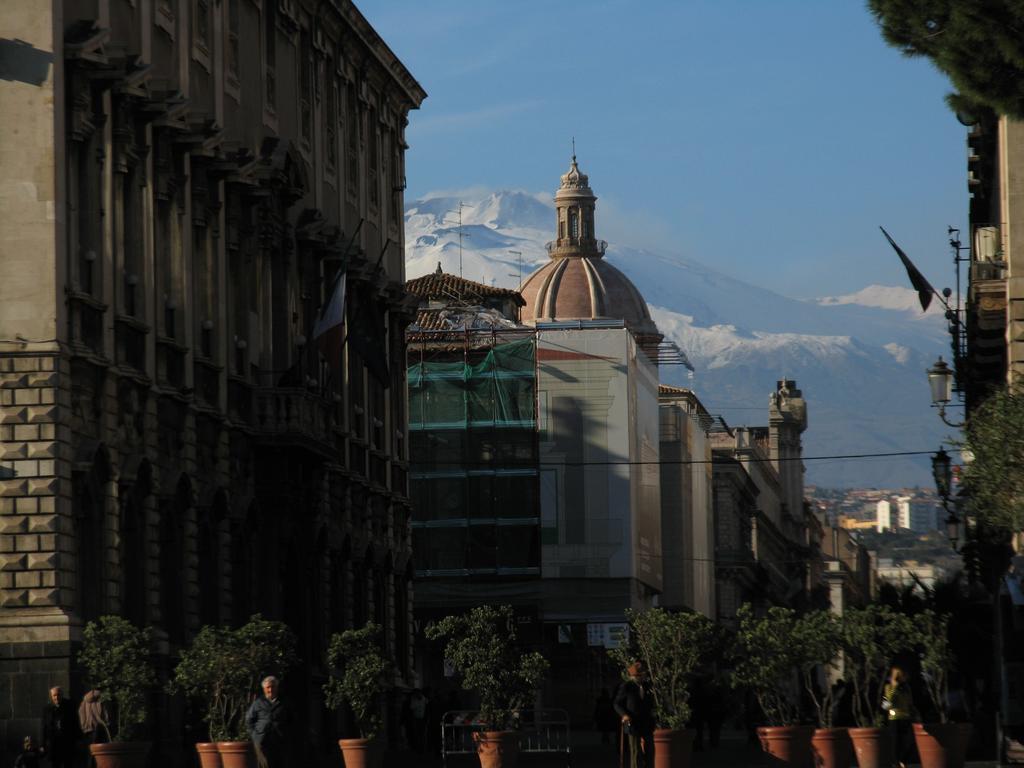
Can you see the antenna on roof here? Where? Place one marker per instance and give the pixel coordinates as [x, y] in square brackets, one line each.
[520, 255]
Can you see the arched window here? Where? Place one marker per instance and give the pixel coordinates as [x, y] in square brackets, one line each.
[574, 224]
[89, 507]
[243, 533]
[208, 547]
[339, 589]
[133, 547]
[173, 513]
[403, 587]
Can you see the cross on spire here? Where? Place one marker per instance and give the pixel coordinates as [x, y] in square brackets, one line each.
[574, 149]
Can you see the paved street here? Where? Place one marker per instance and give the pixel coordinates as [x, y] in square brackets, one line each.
[588, 753]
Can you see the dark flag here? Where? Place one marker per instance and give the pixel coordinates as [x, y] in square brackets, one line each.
[366, 335]
[921, 285]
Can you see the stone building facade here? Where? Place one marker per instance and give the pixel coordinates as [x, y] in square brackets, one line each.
[762, 542]
[183, 180]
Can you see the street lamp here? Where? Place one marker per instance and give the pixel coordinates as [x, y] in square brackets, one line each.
[940, 380]
[953, 530]
[942, 473]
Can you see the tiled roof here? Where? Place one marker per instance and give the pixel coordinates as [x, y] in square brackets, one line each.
[441, 285]
[665, 389]
[460, 319]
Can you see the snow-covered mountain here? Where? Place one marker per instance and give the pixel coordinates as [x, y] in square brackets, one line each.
[859, 359]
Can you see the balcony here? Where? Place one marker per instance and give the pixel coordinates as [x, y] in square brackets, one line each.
[297, 417]
[569, 246]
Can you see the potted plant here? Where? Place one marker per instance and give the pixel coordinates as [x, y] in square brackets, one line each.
[222, 669]
[819, 635]
[871, 637]
[481, 646]
[766, 661]
[115, 655]
[942, 744]
[671, 646]
[359, 676]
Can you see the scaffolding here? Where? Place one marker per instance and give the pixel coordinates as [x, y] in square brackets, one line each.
[473, 430]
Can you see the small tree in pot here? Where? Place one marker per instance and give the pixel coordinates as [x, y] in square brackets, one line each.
[671, 646]
[222, 669]
[115, 655]
[359, 676]
[872, 636]
[943, 743]
[481, 647]
[819, 635]
[767, 661]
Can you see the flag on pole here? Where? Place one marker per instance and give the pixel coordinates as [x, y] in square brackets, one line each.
[921, 285]
[328, 331]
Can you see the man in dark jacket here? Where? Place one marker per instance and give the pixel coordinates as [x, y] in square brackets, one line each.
[60, 730]
[269, 720]
[634, 706]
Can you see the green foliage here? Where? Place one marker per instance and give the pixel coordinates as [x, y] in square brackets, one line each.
[766, 660]
[671, 646]
[115, 655]
[931, 633]
[977, 44]
[819, 636]
[224, 667]
[995, 475]
[871, 637]
[481, 646]
[359, 675]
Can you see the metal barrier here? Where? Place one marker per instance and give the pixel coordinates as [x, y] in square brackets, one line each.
[540, 731]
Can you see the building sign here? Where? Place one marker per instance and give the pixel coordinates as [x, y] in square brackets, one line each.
[607, 635]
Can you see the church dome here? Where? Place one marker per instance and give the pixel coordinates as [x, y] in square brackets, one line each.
[577, 283]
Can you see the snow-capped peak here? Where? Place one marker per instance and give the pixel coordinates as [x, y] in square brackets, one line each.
[882, 297]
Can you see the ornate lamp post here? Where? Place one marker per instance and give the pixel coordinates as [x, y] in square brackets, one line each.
[942, 473]
[940, 380]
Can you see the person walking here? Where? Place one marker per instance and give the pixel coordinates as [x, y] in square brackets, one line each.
[92, 717]
[60, 730]
[898, 702]
[269, 720]
[633, 704]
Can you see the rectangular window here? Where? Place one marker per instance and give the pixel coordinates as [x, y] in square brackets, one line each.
[373, 157]
[306, 87]
[203, 269]
[352, 139]
[202, 11]
[232, 52]
[270, 53]
[331, 123]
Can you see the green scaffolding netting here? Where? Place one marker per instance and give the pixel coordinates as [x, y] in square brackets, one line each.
[497, 391]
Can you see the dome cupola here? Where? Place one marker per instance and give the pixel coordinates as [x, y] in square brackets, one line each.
[578, 284]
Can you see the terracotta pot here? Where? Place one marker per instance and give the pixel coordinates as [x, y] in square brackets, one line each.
[672, 749]
[120, 754]
[942, 745]
[359, 753]
[872, 746]
[831, 748]
[236, 754]
[209, 757]
[788, 744]
[497, 749]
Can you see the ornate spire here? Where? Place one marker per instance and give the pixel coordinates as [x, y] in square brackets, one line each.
[575, 178]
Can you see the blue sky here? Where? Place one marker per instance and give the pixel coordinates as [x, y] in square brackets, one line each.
[765, 138]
